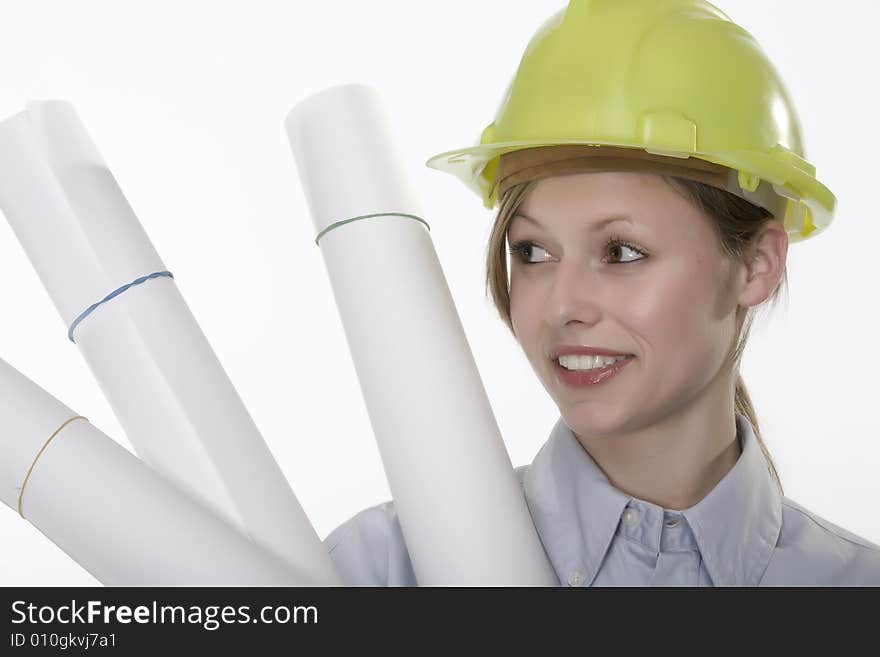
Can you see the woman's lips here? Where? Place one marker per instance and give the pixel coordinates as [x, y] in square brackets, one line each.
[582, 378]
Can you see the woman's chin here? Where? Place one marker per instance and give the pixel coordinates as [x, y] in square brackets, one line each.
[590, 418]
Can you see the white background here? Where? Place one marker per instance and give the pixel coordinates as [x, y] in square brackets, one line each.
[186, 102]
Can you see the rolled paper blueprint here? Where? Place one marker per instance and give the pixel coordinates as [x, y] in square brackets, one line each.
[165, 384]
[462, 512]
[111, 512]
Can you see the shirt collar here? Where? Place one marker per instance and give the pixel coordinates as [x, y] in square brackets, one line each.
[577, 511]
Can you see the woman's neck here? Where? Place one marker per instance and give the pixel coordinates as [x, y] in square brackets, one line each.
[676, 461]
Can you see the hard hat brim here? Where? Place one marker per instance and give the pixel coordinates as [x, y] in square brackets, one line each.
[808, 211]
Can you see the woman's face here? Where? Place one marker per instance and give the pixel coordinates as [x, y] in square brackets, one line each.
[666, 296]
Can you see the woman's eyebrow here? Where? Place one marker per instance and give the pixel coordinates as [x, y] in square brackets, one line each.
[594, 227]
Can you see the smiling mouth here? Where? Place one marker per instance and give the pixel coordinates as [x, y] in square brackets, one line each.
[581, 363]
[591, 376]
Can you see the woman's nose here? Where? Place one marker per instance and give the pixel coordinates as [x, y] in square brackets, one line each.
[575, 295]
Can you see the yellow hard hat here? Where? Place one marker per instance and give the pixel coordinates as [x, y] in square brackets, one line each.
[671, 77]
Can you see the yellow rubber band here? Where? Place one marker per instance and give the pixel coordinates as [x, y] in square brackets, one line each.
[30, 469]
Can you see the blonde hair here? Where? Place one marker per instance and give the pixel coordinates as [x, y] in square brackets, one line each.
[736, 221]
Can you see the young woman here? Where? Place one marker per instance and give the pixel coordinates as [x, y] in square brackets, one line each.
[648, 197]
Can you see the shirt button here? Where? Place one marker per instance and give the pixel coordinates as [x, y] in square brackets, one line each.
[630, 517]
[576, 578]
[672, 521]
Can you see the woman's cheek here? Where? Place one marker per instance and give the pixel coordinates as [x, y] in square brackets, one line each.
[665, 310]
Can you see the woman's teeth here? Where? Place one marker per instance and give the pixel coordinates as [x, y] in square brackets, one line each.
[574, 362]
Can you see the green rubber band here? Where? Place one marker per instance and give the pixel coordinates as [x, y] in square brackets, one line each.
[367, 216]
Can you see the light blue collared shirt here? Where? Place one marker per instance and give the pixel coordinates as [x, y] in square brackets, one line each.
[743, 533]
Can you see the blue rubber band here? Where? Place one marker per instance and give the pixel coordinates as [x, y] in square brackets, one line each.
[115, 293]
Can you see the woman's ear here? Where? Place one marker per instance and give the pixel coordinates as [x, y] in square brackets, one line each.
[764, 264]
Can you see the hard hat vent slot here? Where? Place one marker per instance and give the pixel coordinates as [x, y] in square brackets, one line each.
[667, 133]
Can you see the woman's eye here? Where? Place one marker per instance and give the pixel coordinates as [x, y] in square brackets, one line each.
[522, 251]
[618, 249]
